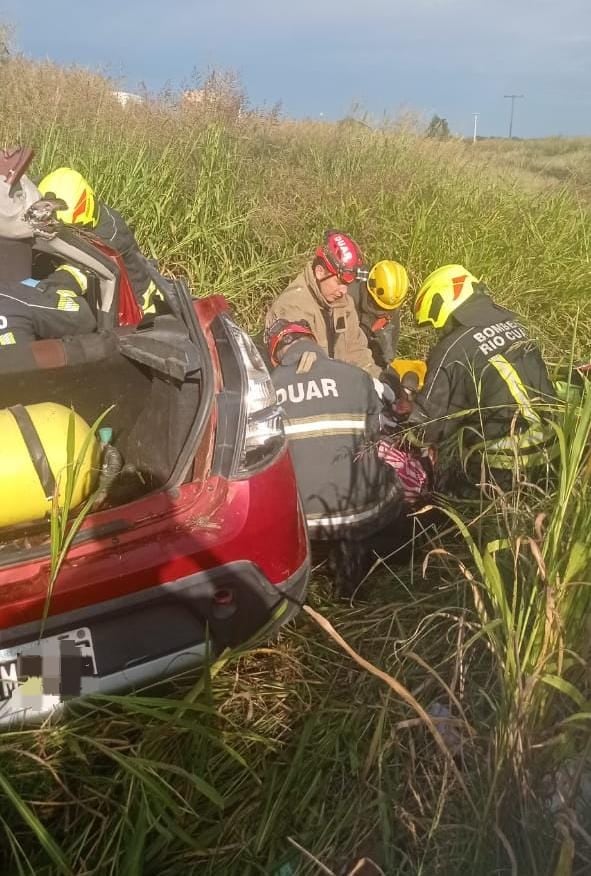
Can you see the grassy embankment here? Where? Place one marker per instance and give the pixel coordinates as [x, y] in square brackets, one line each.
[293, 743]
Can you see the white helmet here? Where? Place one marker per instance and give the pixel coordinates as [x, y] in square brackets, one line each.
[17, 194]
[14, 203]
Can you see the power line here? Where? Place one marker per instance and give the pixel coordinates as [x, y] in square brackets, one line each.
[512, 98]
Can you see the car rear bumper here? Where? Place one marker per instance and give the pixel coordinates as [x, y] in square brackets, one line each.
[122, 644]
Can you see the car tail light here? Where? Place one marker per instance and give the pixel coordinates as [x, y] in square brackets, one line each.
[263, 436]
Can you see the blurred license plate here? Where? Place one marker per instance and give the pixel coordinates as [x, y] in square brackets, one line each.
[38, 675]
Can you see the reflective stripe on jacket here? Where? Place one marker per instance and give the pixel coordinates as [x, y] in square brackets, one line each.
[331, 413]
[29, 313]
[485, 383]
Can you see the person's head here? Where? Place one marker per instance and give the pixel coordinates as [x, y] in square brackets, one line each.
[442, 293]
[335, 265]
[283, 333]
[71, 187]
[388, 284]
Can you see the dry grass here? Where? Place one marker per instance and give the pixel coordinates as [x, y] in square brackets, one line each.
[292, 746]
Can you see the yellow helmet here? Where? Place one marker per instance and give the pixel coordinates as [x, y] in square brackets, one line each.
[388, 284]
[71, 187]
[442, 292]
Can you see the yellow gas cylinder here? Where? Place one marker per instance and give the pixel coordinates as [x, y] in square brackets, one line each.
[34, 459]
[410, 366]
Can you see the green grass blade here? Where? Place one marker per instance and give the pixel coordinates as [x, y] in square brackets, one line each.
[39, 831]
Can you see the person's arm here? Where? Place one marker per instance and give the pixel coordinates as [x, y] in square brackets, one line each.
[358, 352]
[279, 309]
[294, 304]
[59, 312]
[114, 230]
[395, 331]
[374, 408]
[66, 278]
[432, 403]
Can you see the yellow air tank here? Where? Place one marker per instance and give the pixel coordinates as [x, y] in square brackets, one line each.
[34, 458]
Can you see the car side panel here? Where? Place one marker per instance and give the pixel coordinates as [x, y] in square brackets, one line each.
[168, 536]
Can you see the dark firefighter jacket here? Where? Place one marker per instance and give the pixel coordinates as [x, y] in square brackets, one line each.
[331, 412]
[113, 230]
[380, 326]
[28, 313]
[485, 380]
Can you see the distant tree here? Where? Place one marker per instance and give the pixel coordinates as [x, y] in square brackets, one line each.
[438, 128]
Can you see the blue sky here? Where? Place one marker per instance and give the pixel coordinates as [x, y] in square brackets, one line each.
[451, 57]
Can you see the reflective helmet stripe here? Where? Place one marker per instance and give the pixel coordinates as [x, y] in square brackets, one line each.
[80, 207]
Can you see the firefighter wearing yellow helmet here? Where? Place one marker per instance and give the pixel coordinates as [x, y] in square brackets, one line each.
[378, 300]
[30, 310]
[84, 209]
[443, 291]
[487, 393]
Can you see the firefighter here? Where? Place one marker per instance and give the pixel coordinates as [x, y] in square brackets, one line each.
[30, 310]
[320, 296]
[85, 210]
[28, 313]
[332, 418]
[378, 301]
[487, 390]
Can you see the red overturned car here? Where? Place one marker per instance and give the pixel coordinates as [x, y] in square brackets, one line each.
[202, 541]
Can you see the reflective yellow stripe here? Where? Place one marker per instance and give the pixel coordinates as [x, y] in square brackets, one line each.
[6, 339]
[149, 298]
[66, 300]
[501, 453]
[515, 387]
[78, 275]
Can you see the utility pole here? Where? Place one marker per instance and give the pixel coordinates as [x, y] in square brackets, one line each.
[475, 126]
[512, 98]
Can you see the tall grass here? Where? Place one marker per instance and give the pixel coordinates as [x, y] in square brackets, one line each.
[291, 746]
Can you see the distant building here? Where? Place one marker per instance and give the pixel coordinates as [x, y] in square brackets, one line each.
[125, 97]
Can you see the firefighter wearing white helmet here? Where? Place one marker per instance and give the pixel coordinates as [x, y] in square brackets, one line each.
[84, 209]
[487, 391]
[378, 302]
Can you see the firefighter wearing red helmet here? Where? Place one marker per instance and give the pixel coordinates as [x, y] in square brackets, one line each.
[319, 296]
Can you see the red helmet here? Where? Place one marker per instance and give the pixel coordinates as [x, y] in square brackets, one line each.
[282, 331]
[340, 255]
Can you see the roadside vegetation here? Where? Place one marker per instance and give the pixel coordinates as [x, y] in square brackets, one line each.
[289, 758]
